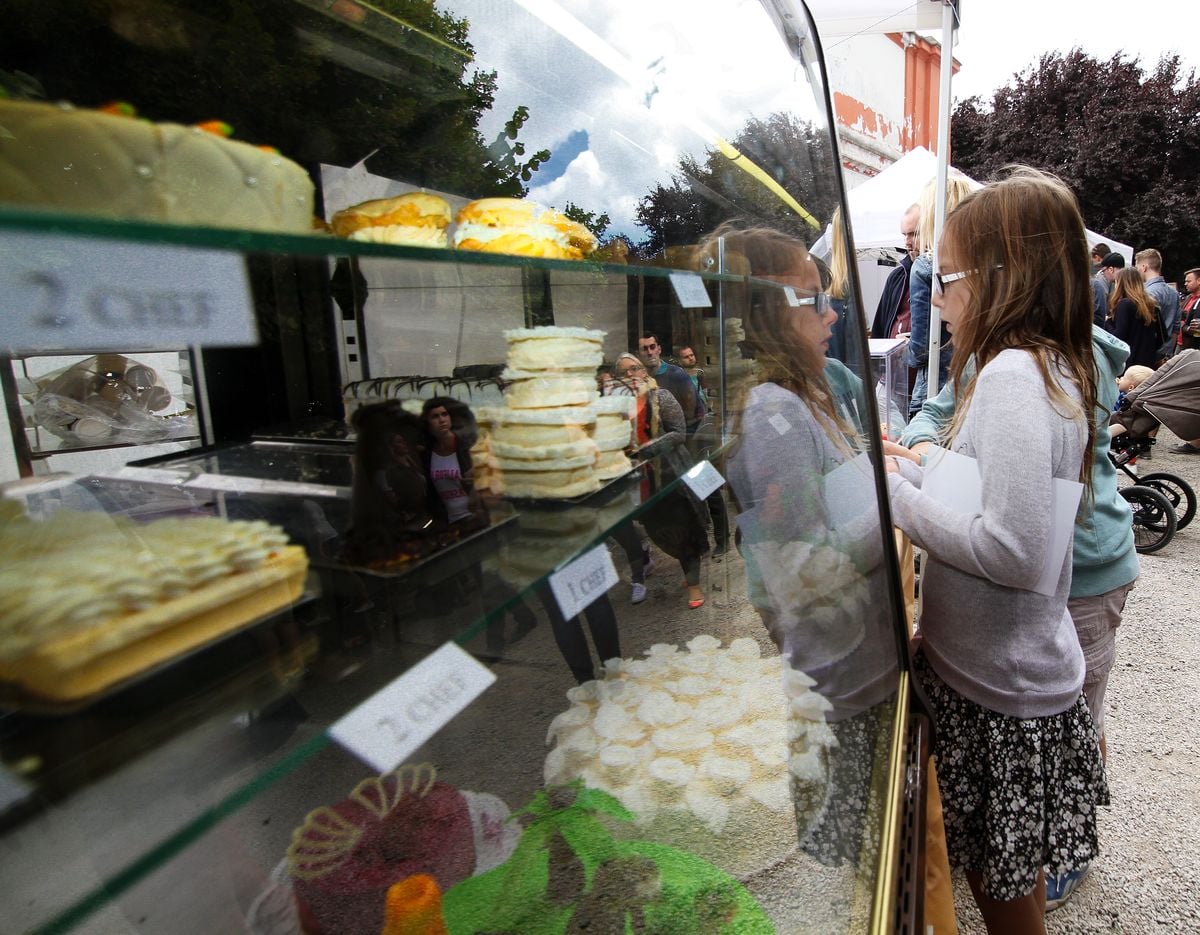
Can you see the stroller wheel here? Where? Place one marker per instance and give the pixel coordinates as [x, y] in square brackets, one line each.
[1178, 492]
[1153, 518]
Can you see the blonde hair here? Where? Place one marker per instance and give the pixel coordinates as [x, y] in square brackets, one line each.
[839, 265]
[1023, 239]
[957, 188]
[1150, 257]
[1130, 285]
[1137, 374]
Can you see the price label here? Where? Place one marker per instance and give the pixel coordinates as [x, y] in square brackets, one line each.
[584, 580]
[690, 290]
[790, 294]
[392, 724]
[82, 294]
[704, 480]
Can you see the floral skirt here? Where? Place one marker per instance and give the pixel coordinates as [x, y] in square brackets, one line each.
[1017, 794]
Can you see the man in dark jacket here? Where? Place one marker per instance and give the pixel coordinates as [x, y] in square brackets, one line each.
[892, 314]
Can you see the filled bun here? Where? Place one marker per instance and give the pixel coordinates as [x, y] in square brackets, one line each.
[520, 228]
[415, 218]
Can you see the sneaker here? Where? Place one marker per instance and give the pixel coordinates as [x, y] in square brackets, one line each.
[1059, 888]
[637, 593]
[1184, 448]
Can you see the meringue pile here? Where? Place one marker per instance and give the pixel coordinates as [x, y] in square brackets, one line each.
[697, 743]
[76, 570]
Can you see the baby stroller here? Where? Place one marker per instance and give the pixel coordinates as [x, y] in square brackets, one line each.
[1162, 503]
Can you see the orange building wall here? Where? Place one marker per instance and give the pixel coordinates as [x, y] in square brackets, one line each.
[922, 67]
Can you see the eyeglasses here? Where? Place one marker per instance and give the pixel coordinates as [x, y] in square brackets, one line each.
[941, 280]
[820, 303]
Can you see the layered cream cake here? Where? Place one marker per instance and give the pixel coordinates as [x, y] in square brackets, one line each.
[555, 349]
[541, 442]
[87, 599]
[703, 745]
[614, 429]
[546, 389]
[93, 162]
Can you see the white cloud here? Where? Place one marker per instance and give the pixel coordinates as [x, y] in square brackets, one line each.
[690, 70]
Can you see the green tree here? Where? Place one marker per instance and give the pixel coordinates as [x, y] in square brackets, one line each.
[1125, 140]
[320, 83]
[596, 223]
[701, 195]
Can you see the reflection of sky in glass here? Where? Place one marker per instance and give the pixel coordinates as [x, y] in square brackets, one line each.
[653, 82]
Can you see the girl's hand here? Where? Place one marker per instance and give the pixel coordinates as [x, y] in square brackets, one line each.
[890, 465]
[894, 450]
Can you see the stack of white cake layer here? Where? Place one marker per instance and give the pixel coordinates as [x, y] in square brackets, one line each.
[542, 442]
[613, 432]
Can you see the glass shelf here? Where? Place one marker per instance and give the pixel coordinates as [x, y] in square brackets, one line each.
[304, 245]
[249, 694]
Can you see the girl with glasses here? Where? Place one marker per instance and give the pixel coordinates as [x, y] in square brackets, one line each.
[808, 524]
[1017, 751]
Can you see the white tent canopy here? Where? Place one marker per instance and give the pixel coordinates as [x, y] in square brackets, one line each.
[854, 17]
[877, 204]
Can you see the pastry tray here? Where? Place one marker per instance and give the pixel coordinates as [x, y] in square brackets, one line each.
[66, 672]
[436, 566]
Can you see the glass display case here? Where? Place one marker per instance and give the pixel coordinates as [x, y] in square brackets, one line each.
[474, 603]
[889, 369]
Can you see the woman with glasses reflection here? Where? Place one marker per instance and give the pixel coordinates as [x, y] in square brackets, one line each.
[1017, 752]
[673, 522]
[809, 531]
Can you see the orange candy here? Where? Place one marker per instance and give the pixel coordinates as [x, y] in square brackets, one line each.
[414, 907]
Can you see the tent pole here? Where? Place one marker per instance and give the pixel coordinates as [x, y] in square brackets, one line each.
[949, 14]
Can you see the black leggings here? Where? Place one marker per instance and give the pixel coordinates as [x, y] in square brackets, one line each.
[568, 634]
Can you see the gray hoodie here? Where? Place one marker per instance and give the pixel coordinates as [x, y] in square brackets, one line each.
[1103, 557]
[1009, 649]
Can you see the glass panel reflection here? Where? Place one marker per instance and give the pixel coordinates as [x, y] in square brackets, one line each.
[527, 386]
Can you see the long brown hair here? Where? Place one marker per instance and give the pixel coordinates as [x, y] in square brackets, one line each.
[763, 252]
[1130, 285]
[1023, 240]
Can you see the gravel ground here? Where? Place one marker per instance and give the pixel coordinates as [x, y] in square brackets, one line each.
[1147, 876]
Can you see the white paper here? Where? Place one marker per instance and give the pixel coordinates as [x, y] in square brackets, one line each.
[779, 423]
[393, 723]
[704, 480]
[583, 580]
[89, 294]
[849, 491]
[953, 479]
[690, 290]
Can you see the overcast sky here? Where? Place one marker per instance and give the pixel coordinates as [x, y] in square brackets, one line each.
[1000, 37]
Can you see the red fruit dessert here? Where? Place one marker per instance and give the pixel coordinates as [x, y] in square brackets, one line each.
[344, 857]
